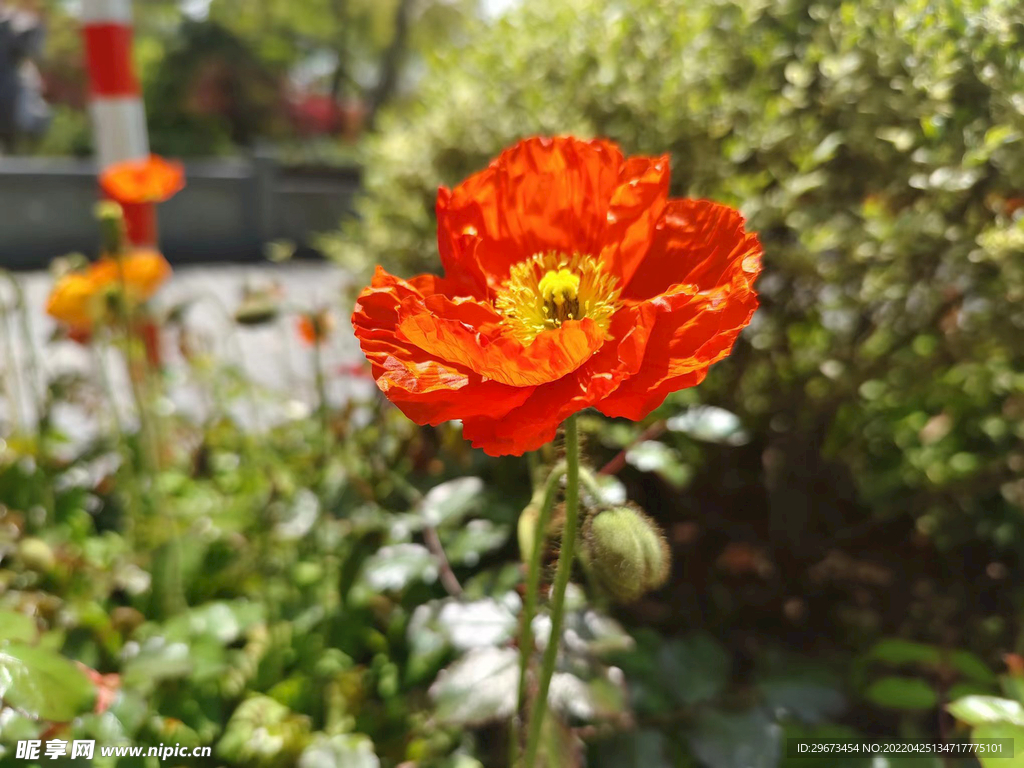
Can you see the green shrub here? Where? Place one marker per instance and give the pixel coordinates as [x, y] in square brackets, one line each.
[876, 148]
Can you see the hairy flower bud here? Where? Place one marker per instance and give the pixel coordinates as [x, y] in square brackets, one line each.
[112, 226]
[626, 552]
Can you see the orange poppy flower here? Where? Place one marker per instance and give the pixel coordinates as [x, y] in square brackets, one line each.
[144, 272]
[76, 300]
[314, 327]
[71, 302]
[152, 180]
[571, 281]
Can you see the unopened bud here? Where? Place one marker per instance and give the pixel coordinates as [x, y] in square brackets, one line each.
[626, 552]
[527, 531]
[112, 227]
[256, 310]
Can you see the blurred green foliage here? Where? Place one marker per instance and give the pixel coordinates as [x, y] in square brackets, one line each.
[842, 495]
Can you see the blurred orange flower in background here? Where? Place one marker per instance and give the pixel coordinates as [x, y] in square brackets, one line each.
[152, 180]
[571, 280]
[71, 301]
[77, 298]
[315, 327]
[144, 272]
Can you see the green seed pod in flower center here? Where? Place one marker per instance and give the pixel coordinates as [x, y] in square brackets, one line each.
[626, 552]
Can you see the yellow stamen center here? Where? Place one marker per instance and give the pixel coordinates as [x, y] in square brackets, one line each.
[549, 289]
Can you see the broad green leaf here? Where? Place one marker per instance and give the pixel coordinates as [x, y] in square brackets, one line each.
[393, 568]
[601, 634]
[975, 710]
[351, 750]
[465, 545]
[264, 732]
[43, 684]
[668, 674]
[970, 666]
[1000, 730]
[478, 623]
[654, 456]
[807, 701]
[221, 621]
[478, 688]
[449, 502]
[157, 660]
[634, 749]
[736, 740]
[902, 693]
[710, 424]
[895, 651]
[17, 627]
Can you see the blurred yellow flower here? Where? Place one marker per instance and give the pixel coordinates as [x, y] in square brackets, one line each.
[77, 302]
[144, 272]
[71, 301]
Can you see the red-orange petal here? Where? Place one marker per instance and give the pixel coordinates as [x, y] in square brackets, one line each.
[487, 349]
[696, 243]
[550, 194]
[536, 421]
[427, 389]
[687, 337]
[150, 180]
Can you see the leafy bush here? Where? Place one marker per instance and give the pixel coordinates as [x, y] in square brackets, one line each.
[877, 151]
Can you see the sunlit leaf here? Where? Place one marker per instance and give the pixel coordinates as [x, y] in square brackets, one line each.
[449, 502]
[42, 684]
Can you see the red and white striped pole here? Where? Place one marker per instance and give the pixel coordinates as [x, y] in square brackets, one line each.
[118, 114]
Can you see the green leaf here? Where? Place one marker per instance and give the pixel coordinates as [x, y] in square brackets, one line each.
[638, 749]
[448, 503]
[656, 457]
[1001, 730]
[975, 710]
[392, 569]
[896, 652]
[809, 702]
[902, 693]
[681, 672]
[478, 688]
[710, 424]
[17, 627]
[222, 621]
[157, 660]
[465, 545]
[43, 684]
[736, 740]
[970, 666]
[352, 750]
[262, 731]
[697, 668]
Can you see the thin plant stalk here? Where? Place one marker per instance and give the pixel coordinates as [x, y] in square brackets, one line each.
[36, 386]
[321, 396]
[13, 376]
[131, 474]
[547, 493]
[565, 562]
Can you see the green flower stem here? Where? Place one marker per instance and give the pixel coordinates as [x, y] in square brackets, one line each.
[321, 395]
[589, 480]
[134, 505]
[547, 503]
[13, 377]
[565, 561]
